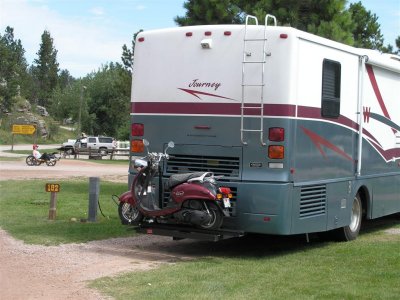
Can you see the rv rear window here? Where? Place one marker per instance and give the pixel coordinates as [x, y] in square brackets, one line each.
[330, 100]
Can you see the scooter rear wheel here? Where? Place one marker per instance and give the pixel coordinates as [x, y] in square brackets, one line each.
[216, 217]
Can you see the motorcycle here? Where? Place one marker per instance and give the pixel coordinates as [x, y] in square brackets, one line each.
[195, 199]
[51, 161]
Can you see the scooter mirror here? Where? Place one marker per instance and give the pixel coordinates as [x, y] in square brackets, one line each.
[146, 142]
[171, 144]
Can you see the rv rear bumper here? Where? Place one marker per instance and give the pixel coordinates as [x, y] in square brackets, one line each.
[264, 207]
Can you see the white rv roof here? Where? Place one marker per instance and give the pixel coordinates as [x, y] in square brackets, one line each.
[374, 57]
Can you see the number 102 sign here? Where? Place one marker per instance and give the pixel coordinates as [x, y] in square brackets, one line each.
[52, 187]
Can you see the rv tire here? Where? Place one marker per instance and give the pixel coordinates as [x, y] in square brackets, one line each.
[350, 232]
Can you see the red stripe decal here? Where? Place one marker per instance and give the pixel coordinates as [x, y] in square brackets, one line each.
[196, 93]
[377, 92]
[318, 141]
[225, 109]
[274, 110]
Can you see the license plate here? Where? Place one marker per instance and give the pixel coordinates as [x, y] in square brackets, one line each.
[227, 202]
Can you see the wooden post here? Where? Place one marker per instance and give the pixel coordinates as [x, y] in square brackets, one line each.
[53, 189]
[53, 206]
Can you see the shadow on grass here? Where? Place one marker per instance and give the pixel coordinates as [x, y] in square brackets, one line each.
[249, 246]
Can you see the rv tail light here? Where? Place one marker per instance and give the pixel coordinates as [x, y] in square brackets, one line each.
[137, 146]
[276, 152]
[227, 33]
[137, 129]
[283, 36]
[276, 134]
[189, 33]
[141, 39]
[207, 33]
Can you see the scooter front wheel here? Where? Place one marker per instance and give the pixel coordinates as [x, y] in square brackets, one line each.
[216, 217]
[128, 214]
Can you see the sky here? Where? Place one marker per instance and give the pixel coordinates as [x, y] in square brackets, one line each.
[90, 33]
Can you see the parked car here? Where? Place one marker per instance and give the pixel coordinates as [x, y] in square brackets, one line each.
[102, 143]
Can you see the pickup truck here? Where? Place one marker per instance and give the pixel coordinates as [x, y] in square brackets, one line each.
[69, 146]
[102, 143]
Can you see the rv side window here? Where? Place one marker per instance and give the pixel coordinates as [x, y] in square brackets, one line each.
[330, 101]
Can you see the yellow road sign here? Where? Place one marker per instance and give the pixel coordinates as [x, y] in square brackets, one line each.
[23, 129]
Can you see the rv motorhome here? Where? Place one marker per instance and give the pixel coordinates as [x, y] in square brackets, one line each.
[304, 130]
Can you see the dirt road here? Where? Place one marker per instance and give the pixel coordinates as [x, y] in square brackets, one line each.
[65, 168]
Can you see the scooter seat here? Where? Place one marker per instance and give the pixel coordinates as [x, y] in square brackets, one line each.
[176, 179]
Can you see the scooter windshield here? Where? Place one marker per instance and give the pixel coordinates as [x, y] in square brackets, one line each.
[145, 190]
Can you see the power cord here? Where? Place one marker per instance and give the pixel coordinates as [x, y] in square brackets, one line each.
[115, 199]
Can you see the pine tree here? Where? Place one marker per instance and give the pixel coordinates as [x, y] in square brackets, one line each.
[128, 53]
[13, 68]
[367, 33]
[46, 69]
[203, 12]
[325, 18]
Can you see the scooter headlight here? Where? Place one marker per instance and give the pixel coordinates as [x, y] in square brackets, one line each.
[139, 163]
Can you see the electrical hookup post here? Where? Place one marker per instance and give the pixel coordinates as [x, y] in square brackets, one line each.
[53, 189]
[94, 190]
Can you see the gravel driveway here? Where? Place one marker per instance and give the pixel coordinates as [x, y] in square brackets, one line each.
[61, 272]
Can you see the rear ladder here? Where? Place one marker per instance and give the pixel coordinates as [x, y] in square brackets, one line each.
[247, 106]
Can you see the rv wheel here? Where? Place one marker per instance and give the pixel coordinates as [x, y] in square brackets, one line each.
[350, 232]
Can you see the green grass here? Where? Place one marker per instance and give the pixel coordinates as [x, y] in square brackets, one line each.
[253, 267]
[262, 267]
[24, 207]
[4, 158]
[107, 161]
[27, 152]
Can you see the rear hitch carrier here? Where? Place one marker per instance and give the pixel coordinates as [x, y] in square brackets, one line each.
[186, 232]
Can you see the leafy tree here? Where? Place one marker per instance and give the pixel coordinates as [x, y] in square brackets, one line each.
[128, 53]
[367, 33]
[201, 12]
[13, 68]
[45, 69]
[108, 92]
[66, 102]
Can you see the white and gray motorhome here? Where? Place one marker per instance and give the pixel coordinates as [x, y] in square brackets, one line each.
[305, 130]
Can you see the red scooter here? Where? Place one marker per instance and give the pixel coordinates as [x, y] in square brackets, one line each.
[195, 198]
